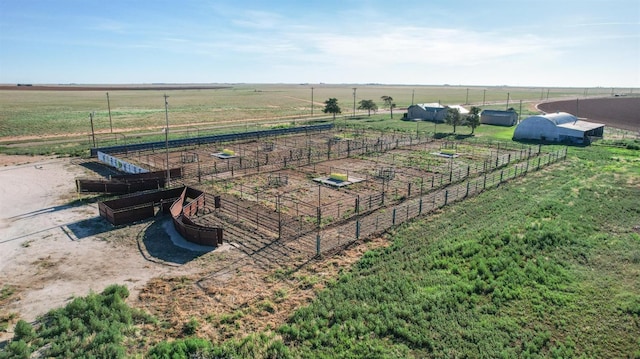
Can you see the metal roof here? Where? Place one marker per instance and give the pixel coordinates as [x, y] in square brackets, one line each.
[581, 125]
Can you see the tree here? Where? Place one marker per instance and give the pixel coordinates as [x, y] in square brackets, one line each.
[331, 106]
[388, 102]
[473, 118]
[368, 105]
[453, 118]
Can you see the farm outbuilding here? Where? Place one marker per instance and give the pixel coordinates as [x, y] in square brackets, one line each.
[558, 127]
[434, 112]
[500, 118]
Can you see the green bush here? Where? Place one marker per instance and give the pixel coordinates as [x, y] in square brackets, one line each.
[16, 350]
[191, 327]
[180, 349]
[23, 331]
[90, 326]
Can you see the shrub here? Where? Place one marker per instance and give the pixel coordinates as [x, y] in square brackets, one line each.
[185, 348]
[23, 331]
[16, 349]
[191, 327]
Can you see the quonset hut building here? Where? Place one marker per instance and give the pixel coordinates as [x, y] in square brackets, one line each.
[558, 127]
[499, 118]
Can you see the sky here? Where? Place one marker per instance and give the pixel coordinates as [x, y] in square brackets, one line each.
[546, 43]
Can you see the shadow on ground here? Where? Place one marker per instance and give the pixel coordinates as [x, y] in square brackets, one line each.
[87, 228]
[163, 242]
[101, 169]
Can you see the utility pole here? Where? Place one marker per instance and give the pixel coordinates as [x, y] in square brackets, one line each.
[413, 92]
[508, 96]
[166, 137]
[93, 134]
[354, 102]
[520, 113]
[312, 102]
[467, 101]
[109, 106]
[484, 96]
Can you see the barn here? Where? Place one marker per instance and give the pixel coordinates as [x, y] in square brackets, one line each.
[558, 127]
[434, 112]
[499, 118]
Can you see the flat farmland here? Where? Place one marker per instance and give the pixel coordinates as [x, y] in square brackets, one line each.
[64, 110]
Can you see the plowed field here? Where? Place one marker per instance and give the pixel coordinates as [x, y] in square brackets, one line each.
[618, 112]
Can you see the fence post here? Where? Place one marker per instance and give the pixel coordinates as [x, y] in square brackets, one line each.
[446, 197]
[409, 190]
[279, 218]
[467, 194]
[538, 163]
[318, 244]
[357, 229]
[393, 219]
[420, 207]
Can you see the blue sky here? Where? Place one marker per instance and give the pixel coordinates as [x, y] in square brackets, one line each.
[518, 42]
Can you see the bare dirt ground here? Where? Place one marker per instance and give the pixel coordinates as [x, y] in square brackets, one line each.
[54, 246]
[51, 250]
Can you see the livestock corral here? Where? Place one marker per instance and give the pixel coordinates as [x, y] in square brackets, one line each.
[314, 192]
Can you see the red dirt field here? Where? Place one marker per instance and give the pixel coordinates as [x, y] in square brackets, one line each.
[618, 112]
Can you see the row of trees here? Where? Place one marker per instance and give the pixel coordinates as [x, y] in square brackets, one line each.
[332, 107]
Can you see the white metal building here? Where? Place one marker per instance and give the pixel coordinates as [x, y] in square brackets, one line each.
[434, 112]
[558, 127]
[500, 118]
